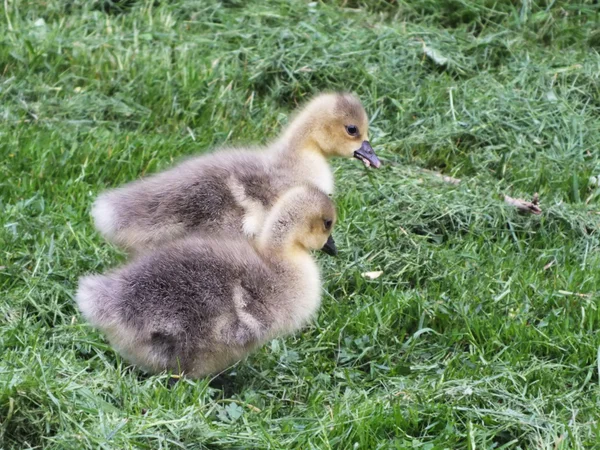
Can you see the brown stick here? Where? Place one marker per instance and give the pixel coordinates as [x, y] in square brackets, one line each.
[524, 206]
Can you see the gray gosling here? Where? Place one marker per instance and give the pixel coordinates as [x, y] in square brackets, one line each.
[200, 303]
[233, 190]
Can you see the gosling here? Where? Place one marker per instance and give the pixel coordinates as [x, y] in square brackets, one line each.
[199, 304]
[233, 190]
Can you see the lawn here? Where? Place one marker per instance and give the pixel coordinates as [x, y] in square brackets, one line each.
[483, 329]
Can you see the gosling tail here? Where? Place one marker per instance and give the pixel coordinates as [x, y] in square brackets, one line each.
[104, 214]
[96, 299]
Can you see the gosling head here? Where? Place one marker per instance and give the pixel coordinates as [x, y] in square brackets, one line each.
[302, 219]
[336, 125]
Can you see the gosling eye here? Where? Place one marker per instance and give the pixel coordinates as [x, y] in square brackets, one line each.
[352, 130]
[328, 223]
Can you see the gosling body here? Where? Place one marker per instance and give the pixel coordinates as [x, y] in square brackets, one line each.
[233, 190]
[199, 304]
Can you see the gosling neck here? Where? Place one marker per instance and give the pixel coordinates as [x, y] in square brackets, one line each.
[299, 153]
[286, 250]
[297, 139]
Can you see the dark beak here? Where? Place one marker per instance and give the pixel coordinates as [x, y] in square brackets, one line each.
[330, 247]
[367, 155]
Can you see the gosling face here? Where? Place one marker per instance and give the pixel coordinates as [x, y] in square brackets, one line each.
[342, 128]
[303, 218]
[319, 236]
[314, 230]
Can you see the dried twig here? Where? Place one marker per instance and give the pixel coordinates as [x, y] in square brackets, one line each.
[576, 294]
[444, 178]
[524, 206]
[448, 179]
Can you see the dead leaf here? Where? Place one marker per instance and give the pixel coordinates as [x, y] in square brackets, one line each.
[435, 55]
[372, 275]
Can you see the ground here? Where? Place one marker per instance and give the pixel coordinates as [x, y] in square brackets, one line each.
[482, 330]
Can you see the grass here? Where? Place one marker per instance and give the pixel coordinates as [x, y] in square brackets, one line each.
[482, 332]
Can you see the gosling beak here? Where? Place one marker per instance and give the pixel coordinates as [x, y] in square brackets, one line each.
[367, 155]
[330, 247]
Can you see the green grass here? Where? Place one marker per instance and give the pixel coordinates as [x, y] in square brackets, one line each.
[469, 340]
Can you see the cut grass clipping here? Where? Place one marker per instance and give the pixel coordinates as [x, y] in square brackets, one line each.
[449, 320]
